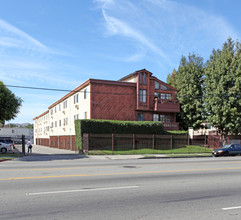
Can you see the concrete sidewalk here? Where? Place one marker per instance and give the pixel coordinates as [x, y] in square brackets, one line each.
[38, 149]
[40, 153]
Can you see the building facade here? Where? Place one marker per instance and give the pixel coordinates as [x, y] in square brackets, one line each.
[136, 97]
[16, 134]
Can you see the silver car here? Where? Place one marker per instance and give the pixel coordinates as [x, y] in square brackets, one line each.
[6, 146]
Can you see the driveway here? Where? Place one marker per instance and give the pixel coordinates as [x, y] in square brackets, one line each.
[44, 153]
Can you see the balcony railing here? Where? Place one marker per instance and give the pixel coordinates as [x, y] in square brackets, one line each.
[171, 125]
[165, 105]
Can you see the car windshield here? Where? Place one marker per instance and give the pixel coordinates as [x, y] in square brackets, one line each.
[227, 146]
[9, 141]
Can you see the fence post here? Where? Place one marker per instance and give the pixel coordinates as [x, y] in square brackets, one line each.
[171, 144]
[188, 142]
[153, 143]
[112, 144]
[23, 144]
[133, 143]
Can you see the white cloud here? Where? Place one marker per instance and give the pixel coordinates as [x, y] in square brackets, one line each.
[116, 26]
[16, 37]
[166, 29]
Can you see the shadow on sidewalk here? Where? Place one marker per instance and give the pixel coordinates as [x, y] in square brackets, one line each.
[50, 157]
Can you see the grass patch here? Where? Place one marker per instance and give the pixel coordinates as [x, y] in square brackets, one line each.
[178, 132]
[184, 150]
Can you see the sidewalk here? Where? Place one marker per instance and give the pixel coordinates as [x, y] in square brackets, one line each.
[40, 153]
[38, 149]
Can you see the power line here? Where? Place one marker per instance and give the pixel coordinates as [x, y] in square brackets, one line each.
[74, 91]
[107, 93]
[38, 88]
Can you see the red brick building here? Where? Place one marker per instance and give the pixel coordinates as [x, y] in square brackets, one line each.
[136, 97]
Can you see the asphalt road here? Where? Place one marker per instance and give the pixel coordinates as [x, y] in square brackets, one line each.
[82, 188]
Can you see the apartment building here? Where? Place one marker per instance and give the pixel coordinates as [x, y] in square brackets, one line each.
[140, 96]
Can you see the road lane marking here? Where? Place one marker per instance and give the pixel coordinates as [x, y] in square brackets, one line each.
[230, 208]
[111, 174]
[81, 190]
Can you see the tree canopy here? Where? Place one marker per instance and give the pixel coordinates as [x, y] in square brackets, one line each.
[211, 92]
[9, 104]
[222, 88]
[188, 80]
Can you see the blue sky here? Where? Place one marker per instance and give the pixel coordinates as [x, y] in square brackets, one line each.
[62, 43]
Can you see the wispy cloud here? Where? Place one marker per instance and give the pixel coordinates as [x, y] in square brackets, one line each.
[24, 59]
[116, 26]
[166, 29]
[16, 37]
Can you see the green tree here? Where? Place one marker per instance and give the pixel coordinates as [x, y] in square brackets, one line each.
[189, 83]
[171, 78]
[9, 104]
[222, 88]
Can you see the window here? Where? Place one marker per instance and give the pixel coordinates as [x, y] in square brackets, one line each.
[140, 78]
[51, 112]
[166, 118]
[65, 104]
[163, 96]
[168, 96]
[59, 123]
[155, 117]
[59, 107]
[55, 109]
[157, 85]
[140, 117]
[85, 93]
[85, 117]
[76, 98]
[65, 121]
[162, 118]
[142, 95]
[157, 95]
[55, 123]
[76, 117]
[164, 88]
[144, 79]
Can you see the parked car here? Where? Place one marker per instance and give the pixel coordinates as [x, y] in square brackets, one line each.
[226, 150]
[6, 145]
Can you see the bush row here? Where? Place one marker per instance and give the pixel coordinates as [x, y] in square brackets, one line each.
[96, 126]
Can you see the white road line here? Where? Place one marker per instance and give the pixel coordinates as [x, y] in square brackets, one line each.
[230, 208]
[80, 190]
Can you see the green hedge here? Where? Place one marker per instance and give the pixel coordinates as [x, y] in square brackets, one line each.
[95, 126]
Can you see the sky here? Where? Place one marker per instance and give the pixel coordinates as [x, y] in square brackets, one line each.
[59, 44]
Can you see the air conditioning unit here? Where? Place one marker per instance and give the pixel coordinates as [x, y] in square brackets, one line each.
[77, 106]
[64, 111]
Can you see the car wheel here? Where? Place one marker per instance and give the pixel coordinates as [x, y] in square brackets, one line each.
[4, 150]
[226, 154]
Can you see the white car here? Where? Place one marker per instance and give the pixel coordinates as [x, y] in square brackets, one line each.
[4, 147]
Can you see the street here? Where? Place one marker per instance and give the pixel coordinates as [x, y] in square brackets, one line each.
[85, 188]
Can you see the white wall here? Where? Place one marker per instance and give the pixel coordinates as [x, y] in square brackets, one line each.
[60, 119]
[131, 79]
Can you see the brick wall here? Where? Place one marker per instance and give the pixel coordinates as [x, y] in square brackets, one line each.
[119, 105]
